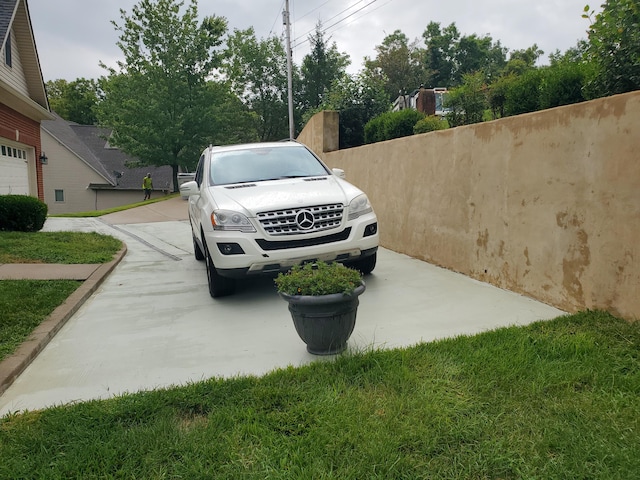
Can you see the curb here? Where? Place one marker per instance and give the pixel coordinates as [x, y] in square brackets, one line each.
[12, 366]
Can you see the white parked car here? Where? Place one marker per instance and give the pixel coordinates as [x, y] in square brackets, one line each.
[262, 208]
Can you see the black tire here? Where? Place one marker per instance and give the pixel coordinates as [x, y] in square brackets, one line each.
[197, 251]
[365, 265]
[219, 286]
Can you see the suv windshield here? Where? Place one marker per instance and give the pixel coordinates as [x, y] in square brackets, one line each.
[260, 164]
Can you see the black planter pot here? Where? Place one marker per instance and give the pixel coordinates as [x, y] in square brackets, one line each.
[324, 322]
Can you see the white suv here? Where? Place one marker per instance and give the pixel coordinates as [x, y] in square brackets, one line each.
[262, 208]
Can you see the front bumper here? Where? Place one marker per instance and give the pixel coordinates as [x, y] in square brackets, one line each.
[237, 254]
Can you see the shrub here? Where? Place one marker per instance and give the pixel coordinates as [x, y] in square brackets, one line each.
[319, 278]
[391, 125]
[430, 124]
[22, 213]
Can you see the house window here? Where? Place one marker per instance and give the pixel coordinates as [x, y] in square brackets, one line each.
[7, 50]
[59, 195]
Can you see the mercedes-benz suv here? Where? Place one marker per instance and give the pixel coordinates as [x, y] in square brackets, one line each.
[262, 208]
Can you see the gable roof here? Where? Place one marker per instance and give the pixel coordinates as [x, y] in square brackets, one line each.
[119, 170]
[14, 16]
[61, 130]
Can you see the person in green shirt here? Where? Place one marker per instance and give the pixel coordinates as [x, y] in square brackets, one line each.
[147, 185]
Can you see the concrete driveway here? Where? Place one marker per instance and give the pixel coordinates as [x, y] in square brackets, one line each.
[152, 323]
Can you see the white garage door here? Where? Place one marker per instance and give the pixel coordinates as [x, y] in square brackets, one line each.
[14, 171]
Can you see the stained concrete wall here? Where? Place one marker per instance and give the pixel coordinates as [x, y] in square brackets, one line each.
[546, 204]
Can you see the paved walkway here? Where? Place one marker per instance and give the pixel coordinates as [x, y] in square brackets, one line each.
[46, 271]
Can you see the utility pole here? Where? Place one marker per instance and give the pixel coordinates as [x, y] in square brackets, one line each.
[287, 22]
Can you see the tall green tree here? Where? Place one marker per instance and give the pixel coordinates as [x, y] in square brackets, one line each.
[159, 103]
[479, 54]
[257, 71]
[357, 99]
[320, 68]
[614, 47]
[440, 54]
[74, 101]
[398, 61]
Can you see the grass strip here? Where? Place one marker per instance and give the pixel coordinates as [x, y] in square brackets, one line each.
[557, 399]
[57, 247]
[99, 213]
[24, 304]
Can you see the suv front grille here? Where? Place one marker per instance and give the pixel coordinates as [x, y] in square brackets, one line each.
[295, 221]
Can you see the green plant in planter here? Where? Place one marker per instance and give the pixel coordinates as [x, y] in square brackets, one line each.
[323, 301]
[319, 278]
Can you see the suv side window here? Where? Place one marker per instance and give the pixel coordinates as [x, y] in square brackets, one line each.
[199, 170]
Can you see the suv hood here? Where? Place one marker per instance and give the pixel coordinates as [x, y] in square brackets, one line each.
[253, 198]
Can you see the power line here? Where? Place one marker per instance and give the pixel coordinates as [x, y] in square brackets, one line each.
[325, 29]
[336, 15]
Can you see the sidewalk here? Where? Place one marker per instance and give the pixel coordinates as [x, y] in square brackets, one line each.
[46, 271]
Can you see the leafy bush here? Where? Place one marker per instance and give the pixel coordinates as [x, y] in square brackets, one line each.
[391, 125]
[319, 278]
[523, 93]
[562, 84]
[22, 213]
[430, 124]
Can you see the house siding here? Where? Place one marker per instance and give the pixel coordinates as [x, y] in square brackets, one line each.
[19, 130]
[14, 76]
[64, 171]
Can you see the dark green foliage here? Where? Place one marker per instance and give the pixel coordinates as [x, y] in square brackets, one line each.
[74, 101]
[523, 93]
[614, 47]
[22, 213]
[391, 125]
[562, 85]
[467, 102]
[430, 124]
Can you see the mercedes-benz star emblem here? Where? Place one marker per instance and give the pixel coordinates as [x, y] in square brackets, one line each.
[304, 219]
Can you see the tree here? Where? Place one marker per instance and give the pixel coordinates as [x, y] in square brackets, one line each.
[439, 56]
[614, 47]
[257, 71]
[159, 103]
[522, 60]
[448, 57]
[358, 99]
[478, 54]
[398, 62]
[320, 68]
[74, 101]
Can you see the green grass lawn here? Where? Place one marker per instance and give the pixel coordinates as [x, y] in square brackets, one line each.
[24, 304]
[553, 400]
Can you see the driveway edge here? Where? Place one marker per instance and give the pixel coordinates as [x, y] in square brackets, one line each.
[12, 366]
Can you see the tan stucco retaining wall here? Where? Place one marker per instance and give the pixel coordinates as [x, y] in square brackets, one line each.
[546, 204]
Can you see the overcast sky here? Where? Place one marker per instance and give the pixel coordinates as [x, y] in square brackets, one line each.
[73, 36]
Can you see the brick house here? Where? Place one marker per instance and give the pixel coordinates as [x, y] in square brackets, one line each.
[23, 103]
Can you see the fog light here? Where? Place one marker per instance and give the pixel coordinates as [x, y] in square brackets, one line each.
[230, 249]
[370, 229]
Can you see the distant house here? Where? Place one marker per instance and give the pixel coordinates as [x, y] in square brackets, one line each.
[85, 173]
[23, 103]
[426, 100]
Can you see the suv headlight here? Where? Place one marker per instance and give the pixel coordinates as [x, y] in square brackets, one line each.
[231, 221]
[359, 206]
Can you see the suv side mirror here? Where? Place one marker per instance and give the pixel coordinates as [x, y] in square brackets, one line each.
[339, 172]
[189, 188]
